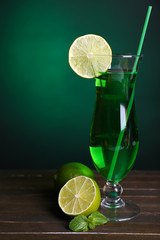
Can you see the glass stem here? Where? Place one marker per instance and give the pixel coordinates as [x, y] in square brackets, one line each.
[112, 192]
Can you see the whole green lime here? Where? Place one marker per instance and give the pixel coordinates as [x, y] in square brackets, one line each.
[70, 170]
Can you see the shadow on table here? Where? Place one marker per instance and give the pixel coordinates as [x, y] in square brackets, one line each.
[50, 196]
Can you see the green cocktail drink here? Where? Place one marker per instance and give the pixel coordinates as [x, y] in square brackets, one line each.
[114, 133]
[113, 92]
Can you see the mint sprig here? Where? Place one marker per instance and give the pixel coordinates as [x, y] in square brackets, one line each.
[79, 223]
[82, 223]
[97, 218]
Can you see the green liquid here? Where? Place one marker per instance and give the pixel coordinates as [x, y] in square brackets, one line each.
[113, 93]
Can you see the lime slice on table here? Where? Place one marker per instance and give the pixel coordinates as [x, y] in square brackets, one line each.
[89, 55]
[80, 195]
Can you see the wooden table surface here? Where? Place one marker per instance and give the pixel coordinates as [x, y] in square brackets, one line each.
[29, 210]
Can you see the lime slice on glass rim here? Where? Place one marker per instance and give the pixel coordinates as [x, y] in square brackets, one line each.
[80, 195]
[89, 55]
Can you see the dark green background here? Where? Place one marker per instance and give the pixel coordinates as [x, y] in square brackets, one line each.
[45, 108]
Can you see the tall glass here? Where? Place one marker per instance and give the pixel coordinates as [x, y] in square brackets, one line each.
[114, 133]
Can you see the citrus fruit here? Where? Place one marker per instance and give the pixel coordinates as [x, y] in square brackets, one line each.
[71, 170]
[80, 195]
[89, 55]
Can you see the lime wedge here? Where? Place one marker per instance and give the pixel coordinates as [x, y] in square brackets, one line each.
[89, 55]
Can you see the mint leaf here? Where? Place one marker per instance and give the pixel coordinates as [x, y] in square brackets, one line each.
[91, 226]
[96, 218]
[79, 223]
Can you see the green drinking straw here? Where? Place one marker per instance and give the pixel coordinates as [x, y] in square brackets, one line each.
[115, 155]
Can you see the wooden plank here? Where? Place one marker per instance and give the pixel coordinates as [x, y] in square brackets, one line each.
[141, 226]
[77, 236]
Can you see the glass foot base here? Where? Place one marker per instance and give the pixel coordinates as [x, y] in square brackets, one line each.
[127, 211]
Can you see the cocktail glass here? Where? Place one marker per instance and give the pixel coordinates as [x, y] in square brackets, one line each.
[114, 133]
